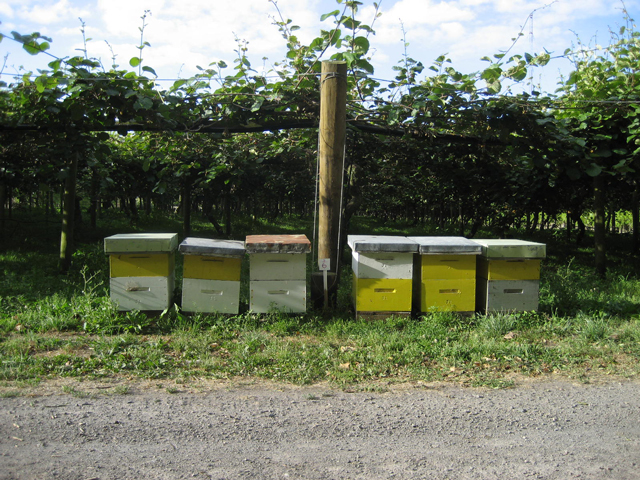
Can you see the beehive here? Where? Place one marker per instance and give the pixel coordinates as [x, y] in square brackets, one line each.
[446, 277]
[382, 274]
[141, 270]
[508, 275]
[211, 275]
[278, 272]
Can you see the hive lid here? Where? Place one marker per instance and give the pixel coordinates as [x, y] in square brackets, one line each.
[381, 243]
[141, 242]
[209, 246]
[277, 244]
[447, 245]
[511, 248]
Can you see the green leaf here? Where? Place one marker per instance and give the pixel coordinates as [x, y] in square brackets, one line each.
[32, 48]
[55, 65]
[257, 105]
[134, 62]
[40, 84]
[150, 70]
[364, 65]
[143, 103]
[573, 173]
[362, 43]
[593, 170]
[331, 14]
[604, 153]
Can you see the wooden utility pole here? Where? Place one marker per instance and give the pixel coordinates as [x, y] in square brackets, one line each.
[333, 126]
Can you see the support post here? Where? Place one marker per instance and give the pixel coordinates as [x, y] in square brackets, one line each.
[68, 214]
[332, 135]
[599, 230]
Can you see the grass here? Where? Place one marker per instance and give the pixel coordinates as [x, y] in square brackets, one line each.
[54, 326]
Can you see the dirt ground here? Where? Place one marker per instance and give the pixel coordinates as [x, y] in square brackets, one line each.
[218, 430]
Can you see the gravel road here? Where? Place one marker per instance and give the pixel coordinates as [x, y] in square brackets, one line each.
[548, 430]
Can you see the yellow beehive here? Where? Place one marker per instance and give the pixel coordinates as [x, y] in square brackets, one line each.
[509, 275]
[447, 278]
[382, 294]
[448, 267]
[512, 269]
[448, 295]
[382, 274]
[211, 275]
[207, 267]
[141, 267]
[141, 264]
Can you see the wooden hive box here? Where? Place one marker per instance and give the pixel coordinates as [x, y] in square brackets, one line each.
[446, 274]
[211, 275]
[141, 270]
[278, 272]
[382, 274]
[508, 275]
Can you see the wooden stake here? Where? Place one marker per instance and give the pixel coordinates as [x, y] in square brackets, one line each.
[333, 121]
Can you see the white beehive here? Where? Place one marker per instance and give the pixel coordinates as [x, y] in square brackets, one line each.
[447, 275]
[211, 275]
[382, 274]
[508, 275]
[278, 272]
[141, 270]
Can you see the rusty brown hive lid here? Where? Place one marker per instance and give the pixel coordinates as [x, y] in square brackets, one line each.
[277, 244]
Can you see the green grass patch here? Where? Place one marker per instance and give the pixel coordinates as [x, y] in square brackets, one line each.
[54, 326]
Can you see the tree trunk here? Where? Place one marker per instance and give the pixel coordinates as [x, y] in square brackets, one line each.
[3, 201]
[68, 214]
[635, 215]
[599, 225]
[613, 221]
[51, 205]
[534, 221]
[227, 215]
[93, 203]
[582, 228]
[186, 208]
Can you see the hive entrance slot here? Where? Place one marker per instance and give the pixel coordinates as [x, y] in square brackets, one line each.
[138, 289]
[518, 291]
[450, 291]
[278, 292]
[385, 290]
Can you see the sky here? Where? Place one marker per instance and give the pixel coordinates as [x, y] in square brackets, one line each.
[187, 34]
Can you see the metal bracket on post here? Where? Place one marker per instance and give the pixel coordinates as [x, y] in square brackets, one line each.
[324, 265]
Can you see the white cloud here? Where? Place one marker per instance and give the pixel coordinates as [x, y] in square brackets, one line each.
[48, 13]
[6, 11]
[418, 17]
[205, 31]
